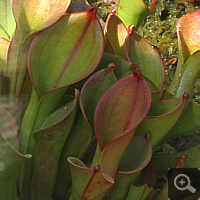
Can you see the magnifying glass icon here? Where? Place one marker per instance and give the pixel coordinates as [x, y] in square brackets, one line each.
[182, 182]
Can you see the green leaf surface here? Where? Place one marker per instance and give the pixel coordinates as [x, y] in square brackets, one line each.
[35, 15]
[35, 115]
[77, 142]
[122, 67]
[162, 116]
[121, 108]
[188, 122]
[163, 162]
[4, 45]
[50, 140]
[136, 157]
[132, 12]
[187, 28]
[163, 195]
[93, 89]
[139, 193]
[119, 111]
[87, 183]
[189, 75]
[147, 58]
[122, 184]
[10, 158]
[78, 56]
[115, 34]
[9, 128]
[158, 95]
[7, 21]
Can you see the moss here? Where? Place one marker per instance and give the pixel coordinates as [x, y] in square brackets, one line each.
[159, 28]
[104, 7]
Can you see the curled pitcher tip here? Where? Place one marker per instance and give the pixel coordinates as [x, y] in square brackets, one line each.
[110, 67]
[96, 168]
[138, 74]
[180, 160]
[147, 137]
[93, 10]
[185, 96]
[112, 12]
[131, 29]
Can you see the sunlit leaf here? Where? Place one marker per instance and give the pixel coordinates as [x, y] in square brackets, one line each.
[7, 22]
[189, 75]
[132, 12]
[56, 61]
[147, 58]
[35, 15]
[4, 45]
[115, 34]
[187, 28]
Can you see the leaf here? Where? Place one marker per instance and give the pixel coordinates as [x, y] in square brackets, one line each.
[139, 193]
[76, 145]
[87, 183]
[158, 95]
[137, 155]
[50, 140]
[163, 162]
[132, 12]
[10, 158]
[147, 58]
[164, 194]
[4, 45]
[119, 111]
[135, 158]
[9, 128]
[162, 116]
[189, 76]
[187, 28]
[93, 89]
[35, 115]
[3, 87]
[78, 53]
[188, 122]
[7, 22]
[121, 108]
[122, 67]
[31, 16]
[115, 34]
[36, 15]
